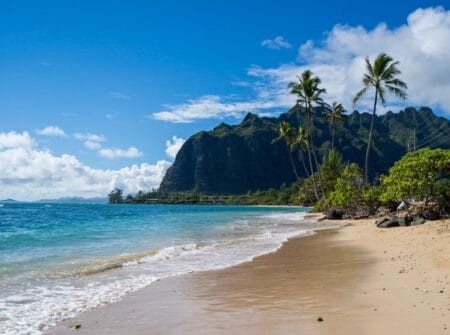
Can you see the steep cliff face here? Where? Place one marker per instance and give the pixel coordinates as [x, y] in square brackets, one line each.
[236, 159]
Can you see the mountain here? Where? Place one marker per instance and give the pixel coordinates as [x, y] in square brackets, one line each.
[241, 158]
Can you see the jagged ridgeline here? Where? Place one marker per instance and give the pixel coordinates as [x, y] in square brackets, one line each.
[241, 158]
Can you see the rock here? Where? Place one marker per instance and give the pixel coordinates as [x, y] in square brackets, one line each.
[402, 206]
[334, 214]
[76, 327]
[320, 319]
[388, 223]
[430, 215]
[417, 220]
[382, 220]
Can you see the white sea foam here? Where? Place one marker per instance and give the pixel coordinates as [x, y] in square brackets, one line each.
[296, 217]
[42, 305]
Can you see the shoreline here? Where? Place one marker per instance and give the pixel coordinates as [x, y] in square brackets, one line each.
[354, 277]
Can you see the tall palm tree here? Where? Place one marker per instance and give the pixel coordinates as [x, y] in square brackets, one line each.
[287, 134]
[335, 114]
[382, 76]
[308, 91]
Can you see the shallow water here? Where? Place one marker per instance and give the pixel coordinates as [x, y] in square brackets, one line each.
[61, 259]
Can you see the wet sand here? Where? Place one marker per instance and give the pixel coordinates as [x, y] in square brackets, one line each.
[359, 279]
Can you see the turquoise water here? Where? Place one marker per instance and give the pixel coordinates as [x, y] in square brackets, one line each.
[60, 259]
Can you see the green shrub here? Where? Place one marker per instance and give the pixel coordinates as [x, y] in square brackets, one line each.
[422, 174]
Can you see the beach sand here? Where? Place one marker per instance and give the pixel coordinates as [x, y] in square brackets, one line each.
[358, 279]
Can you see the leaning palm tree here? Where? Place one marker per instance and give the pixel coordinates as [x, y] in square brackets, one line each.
[382, 76]
[300, 141]
[334, 115]
[287, 133]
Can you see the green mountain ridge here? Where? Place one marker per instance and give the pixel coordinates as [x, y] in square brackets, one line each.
[240, 158]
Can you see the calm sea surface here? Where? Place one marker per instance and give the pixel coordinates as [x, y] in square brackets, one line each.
[57, 260]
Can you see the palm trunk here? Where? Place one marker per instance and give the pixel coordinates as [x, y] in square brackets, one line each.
[292, 162]
[369, 141]
[333, 131]
[318, 170]
[314, 150]
[313, 178]
[302, 158]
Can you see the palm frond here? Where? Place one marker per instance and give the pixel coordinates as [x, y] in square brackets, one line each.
[380, 64]
[359, 95]
[397, 82]
[369, 67]
[396, 92]
[381, 93]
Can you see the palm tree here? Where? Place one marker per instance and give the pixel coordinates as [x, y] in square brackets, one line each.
[286, 133]
[308, 92]
[300, 141]
[382, 76]
[335, 114]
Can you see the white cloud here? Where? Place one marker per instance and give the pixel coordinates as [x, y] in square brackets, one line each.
[12, 140]
[28, 173]
[277, 43]
[91, 145]
[113, 153]
[52, 131]
[173, 146]
[120, 96]
[89, 137]
[421, 46]
[212, 107]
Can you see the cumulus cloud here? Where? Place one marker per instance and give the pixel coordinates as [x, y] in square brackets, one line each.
[16, 140]
[420, 45]
[52, 131]
[29, 173]
[173, 146]
[91, 145]
[277, 43]
[113, 153]
[89, 137]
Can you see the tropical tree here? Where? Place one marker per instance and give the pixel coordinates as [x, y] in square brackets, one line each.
[335, 114]
[300, 141]
[308, 92]
[422, 174]
[287, 133]
[382, 76]
[115, 196]
[331, 169]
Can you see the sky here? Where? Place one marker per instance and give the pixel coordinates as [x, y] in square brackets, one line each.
[102, 94]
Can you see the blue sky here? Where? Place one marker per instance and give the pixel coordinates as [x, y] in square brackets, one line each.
[109, 67]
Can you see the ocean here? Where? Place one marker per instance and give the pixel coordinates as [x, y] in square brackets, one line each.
[57, 260]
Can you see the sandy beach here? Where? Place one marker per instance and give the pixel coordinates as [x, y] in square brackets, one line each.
[356, 279]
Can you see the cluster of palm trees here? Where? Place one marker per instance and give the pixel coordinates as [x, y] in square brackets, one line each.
[381, 76]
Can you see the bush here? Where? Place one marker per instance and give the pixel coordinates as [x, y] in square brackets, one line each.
[423, 174]
[351, 195]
